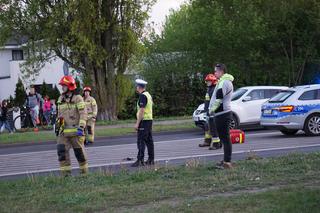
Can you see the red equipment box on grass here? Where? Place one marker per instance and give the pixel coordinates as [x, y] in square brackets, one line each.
[237, 136]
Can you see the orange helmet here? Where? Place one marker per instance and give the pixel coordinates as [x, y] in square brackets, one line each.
[69, 82]
[212, 78]
[87, 89]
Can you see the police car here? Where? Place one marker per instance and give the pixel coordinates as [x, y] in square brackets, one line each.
[297, 108]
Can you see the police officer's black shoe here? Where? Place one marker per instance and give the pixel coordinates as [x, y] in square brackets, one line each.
[149, 162]
[138, 163]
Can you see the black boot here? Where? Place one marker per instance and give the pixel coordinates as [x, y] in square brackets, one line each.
[149, 162]
[205, 143]
[138, 163]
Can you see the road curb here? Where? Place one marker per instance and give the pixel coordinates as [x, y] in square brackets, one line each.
[22, 144]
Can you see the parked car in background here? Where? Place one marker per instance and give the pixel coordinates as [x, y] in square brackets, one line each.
[295, 109]
[245, 105]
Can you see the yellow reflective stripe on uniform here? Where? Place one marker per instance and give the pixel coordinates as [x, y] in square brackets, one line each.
[69, 130]
[65, 168]
[215, 140]
[67, 106]
[240, 138]
[81, 105]
[207, 135]
[207, 97]
[85, 166]
[82, 123]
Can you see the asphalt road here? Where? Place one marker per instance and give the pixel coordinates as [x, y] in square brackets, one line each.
[171, 148]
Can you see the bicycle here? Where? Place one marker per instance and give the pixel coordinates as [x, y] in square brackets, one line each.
[24, 120]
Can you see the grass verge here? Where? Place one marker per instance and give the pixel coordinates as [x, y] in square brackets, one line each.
[285, 184]
[132, 121]
[104, 132]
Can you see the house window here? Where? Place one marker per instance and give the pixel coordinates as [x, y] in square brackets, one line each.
[17, 55]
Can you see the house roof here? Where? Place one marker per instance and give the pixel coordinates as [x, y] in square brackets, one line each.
[16, 41]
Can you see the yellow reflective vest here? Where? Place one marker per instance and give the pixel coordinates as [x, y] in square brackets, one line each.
[148, 108]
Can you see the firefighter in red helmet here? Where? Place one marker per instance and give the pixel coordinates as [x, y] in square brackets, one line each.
[72, 118]
[92, 110]
[211, 138]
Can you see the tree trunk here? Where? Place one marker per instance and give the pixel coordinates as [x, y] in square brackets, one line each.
[104, 89]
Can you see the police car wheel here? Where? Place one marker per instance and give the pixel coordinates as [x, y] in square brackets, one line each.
[289, 132]
[312, 125]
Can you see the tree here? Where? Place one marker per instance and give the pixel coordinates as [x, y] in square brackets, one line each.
[20, 94]
[261, 42]
[45, 89]
[97, 38]
[55, 93]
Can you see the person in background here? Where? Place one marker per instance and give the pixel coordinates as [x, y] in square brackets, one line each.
[220, 109]
[53, 111]
[211, 135]
[34, 102]
[92, 110]
[46, 109]
[72, 119]
[4, 116]
[143, 125]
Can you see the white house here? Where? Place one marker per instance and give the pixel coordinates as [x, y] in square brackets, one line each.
[11, 56]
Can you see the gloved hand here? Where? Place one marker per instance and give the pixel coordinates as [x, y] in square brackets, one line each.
[80, 131]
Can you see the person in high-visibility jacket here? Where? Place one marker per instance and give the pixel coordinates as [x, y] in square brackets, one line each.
[144, 125]
[72, 117]
[220, 108]
[92, 110]
[210, 135]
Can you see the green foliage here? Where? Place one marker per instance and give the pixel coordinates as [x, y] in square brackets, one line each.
[45, 88]
[129, 110]
[97, 38]
[261, 42]
[20, 94]
[52, 92]
[55, 93]
[125, 97]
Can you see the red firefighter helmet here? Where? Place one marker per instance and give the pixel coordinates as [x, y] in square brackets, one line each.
[69, 82]
[212, 78]
[87, 89]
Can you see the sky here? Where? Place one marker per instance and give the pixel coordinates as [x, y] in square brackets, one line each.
[160, 10]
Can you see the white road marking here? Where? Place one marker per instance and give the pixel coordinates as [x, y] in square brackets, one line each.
[125, 145]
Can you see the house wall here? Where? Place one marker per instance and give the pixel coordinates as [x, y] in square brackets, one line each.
[5, 58]
[50, 73]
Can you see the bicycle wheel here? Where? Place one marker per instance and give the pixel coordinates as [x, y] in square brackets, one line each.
[19, 122]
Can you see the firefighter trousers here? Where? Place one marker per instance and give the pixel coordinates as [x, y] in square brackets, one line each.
[64, 144]
[210, 131]
[90, 130]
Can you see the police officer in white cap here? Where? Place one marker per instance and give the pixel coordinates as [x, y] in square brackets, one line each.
[144, 125]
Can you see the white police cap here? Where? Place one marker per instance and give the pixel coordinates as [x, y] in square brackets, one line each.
[141, 82]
